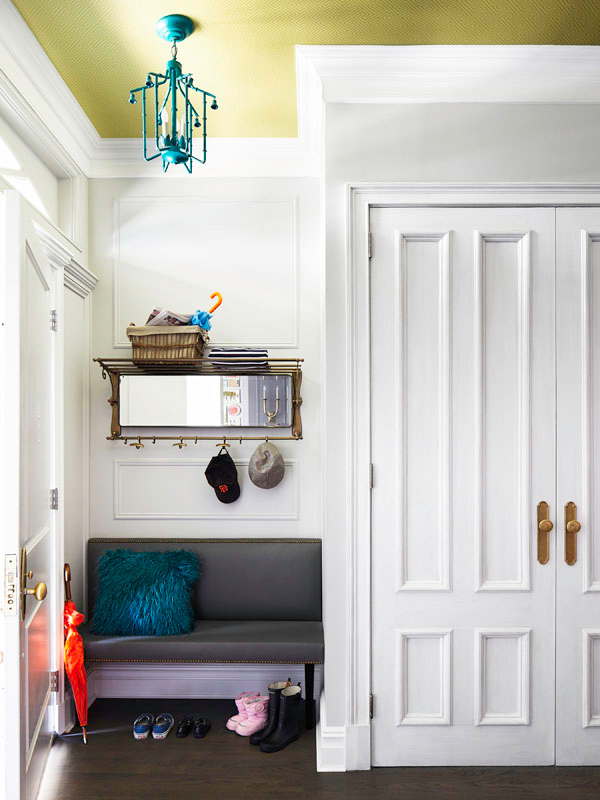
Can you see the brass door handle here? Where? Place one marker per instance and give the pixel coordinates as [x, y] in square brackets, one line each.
[544, 527]
[572, 528]
[40, 591]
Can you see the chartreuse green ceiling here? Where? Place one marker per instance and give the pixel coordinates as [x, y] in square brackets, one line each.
[243, 50]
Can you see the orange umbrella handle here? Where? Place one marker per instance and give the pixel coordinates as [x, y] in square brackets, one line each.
[67, 581]
[218, 303]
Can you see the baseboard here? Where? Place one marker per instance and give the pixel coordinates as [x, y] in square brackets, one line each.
[331, 744]
[208, 681]
[64, 719]
[358, 747]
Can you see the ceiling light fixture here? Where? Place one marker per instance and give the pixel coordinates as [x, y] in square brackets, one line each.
[172, 127]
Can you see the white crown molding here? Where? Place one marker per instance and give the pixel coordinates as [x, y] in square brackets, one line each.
[456, 73]
[76, 277]
[34, 96]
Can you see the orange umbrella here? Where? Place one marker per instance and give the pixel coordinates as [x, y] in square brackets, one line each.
[74, 654]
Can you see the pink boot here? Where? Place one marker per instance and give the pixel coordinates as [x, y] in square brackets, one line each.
[257, 708]
[242, 714]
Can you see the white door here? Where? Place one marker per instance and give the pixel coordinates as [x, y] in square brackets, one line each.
[463, 446]
[27, 449]
[578, 482]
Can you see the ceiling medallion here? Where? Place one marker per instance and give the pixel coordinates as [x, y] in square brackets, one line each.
[174, 115]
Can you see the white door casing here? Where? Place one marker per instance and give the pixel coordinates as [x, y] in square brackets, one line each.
[462, 351]
[29, 288]
[578, 451]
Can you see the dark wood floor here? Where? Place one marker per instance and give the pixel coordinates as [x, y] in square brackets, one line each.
[113, 766]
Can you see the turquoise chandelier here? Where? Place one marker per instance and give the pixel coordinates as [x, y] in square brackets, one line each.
[175, 115]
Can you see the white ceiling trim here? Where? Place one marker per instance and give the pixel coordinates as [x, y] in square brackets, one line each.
[40, 106]
[457, 73]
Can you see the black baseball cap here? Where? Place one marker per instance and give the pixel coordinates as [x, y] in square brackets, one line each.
[222, 476]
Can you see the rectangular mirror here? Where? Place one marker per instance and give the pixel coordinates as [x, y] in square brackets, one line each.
[194, 401]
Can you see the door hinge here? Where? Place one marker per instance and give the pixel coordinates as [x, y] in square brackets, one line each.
[54, 320]
[54, 499]
[54, 681]
[370, 476]
[370, 706]
[369, 247]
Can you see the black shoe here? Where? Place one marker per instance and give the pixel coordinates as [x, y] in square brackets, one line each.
[201, 728]
[275, 690]
[289, 724]
[184, 726]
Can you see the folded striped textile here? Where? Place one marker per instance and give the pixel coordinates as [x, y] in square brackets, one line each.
[233, 357]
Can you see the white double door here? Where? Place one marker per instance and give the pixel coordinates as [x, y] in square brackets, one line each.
[485, 357]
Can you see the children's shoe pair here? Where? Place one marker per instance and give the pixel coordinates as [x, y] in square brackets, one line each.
[160, 727]
[200, 726]
[252, 713]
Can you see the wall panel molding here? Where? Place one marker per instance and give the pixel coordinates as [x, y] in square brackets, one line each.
[591, 669]
[522, 677]
[443, 411]
[120, 340]
[255, 503]
[406, 675]
[521, 580]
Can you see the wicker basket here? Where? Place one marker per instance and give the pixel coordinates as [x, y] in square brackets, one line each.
[166, 343]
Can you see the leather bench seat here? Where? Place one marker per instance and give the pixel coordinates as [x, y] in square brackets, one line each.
[214, 641]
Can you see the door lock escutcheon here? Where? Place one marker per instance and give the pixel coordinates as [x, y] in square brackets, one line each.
[39, 591]
[544, 527]
[572, 528]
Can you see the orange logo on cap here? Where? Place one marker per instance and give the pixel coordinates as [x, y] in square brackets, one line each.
[223, 488]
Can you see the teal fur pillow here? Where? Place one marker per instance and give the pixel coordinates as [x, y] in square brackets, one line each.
[145, 594]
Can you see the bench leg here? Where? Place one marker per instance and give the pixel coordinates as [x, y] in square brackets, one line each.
[309, 690]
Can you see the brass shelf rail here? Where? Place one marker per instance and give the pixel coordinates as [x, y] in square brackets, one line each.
[114, 368]
[181, 441]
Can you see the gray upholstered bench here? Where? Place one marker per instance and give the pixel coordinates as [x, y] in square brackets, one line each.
[256, 602]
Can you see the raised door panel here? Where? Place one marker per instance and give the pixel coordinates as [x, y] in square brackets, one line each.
[502, 410]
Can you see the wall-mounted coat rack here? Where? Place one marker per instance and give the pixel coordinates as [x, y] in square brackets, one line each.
[271, 379]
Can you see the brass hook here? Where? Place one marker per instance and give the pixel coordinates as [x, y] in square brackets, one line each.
[180, 443]
[137, 444]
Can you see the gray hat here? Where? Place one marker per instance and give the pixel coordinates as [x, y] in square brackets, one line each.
[266, 467]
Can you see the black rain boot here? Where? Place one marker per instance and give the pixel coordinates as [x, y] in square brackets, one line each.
[289, 724]
[275, 690]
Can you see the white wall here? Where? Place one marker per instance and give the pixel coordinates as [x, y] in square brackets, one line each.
[430, 143]
[172, 243]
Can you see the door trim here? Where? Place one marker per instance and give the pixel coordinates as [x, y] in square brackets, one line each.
[360, 198]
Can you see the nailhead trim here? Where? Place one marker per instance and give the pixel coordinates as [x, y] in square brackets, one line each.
[186, 661]
[207, 541]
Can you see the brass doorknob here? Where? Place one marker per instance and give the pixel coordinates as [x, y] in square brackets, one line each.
[545, 526]
[40, 591]
[572, 528]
